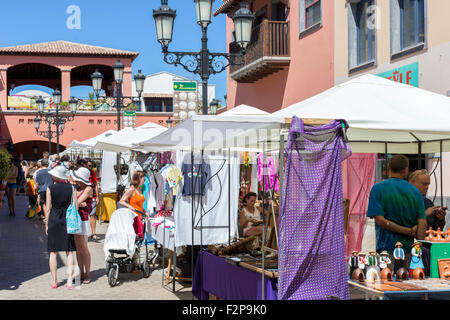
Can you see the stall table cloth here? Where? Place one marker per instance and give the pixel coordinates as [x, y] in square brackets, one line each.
[229, 282]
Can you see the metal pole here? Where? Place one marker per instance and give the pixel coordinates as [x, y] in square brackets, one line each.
[57, 128]
[420, 156]
[229, 195]
[440, 165]
[263, 225]
[119, 104]
[192, 217]
[386, 175]
[48, 119]
[205, 70]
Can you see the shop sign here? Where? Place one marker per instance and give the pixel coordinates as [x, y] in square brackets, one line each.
[185, 86]
[408, 74]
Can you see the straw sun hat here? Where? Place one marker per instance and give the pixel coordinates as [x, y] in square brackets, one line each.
[81, 175]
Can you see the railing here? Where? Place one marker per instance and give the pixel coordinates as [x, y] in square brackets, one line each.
[269, 39]
[102, 104]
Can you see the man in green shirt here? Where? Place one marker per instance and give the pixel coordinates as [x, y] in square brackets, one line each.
[398, 208]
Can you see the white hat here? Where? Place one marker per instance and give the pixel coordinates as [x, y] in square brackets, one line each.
[59, 172]
[81, 175]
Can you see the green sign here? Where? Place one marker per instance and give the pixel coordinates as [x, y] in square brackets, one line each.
[185, 86]
[128, 113]
[408, 74]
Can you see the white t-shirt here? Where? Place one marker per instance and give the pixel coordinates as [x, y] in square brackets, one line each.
[248, 215]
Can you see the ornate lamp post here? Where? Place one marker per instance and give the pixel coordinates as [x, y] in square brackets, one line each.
[203, 63]
[118, 69]
[214, 105]
[54, 118]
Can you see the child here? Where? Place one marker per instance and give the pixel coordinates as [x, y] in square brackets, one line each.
[33, 205]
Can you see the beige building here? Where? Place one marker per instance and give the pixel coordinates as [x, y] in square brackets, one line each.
[385, 36]
[404, 40]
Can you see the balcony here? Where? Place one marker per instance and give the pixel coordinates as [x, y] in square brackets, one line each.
[267, 53]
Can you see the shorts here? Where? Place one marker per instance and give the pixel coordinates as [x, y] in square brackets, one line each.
[94, 208]
[85, 228]
[11, 185]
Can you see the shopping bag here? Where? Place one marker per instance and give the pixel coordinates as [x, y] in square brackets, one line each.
[73, 219]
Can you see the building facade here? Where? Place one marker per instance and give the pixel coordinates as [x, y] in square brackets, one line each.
[63, 65]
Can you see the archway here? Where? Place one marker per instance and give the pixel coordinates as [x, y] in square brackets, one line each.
[81, 76]
[32, 150]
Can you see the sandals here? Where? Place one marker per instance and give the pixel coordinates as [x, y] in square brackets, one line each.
[54, 286]
[86, 281]
[69, 287]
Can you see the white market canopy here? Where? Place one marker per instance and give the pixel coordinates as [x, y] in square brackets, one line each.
[216, 132]
[244, 110]
[89, 143]
[123, 140]
[382, 114]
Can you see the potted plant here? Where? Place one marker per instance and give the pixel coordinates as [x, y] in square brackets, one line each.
[5, 159]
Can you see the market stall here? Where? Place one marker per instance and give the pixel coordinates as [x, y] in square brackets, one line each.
[384, 117]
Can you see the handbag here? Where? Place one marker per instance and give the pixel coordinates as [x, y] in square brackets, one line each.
[73, 219]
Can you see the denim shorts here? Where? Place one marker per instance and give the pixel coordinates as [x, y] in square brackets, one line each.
[11, 185]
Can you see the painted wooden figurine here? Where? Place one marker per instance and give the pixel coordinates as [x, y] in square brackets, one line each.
[362, 261]
[353, 262]
[372, 259]
[416, 257]
[384, 260]
[399, 256]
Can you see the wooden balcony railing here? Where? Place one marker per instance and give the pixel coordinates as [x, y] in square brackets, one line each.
[267, 52]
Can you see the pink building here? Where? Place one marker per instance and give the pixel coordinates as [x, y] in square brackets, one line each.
[291, 56]
[61, 65]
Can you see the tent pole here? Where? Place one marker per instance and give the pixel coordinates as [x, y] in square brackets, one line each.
[386, 160]
[229, 196]
[420, 156]
[440, 164]
[192, 217]
[263, 215]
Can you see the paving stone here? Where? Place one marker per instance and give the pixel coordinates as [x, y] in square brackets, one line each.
[25, 273]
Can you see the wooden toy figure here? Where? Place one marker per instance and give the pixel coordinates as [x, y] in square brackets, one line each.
[372, 259]
[353, 261]
[416, 257]
[399, 256]
[362, 261]
[384, 260]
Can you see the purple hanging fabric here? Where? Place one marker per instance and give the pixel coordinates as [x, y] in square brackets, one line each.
[311, 251]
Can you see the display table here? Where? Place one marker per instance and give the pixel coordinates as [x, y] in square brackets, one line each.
[438, 250]
[166, 238]
[399, 294]
[229, 282]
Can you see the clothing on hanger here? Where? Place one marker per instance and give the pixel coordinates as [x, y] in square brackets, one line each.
[197, 174]
[270, 176]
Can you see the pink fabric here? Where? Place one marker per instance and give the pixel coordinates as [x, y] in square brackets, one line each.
[358, 173]
[272, 180]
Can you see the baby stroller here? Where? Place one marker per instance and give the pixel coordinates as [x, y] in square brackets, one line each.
[123, 247]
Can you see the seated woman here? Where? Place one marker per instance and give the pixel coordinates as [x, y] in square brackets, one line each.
[133, 199]
[250, 218]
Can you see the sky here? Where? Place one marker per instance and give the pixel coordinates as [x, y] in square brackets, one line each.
[125, 25]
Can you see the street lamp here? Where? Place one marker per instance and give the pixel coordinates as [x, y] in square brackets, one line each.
[118, 69]
[97, 79]
[169, 123]
[203, 63]
[139, 80]
[214, 106]
[204, 10]
[53, 118]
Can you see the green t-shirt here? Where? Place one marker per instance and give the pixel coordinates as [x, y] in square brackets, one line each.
[400, 202]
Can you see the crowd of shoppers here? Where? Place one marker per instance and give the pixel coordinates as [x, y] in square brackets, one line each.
[51, 186]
